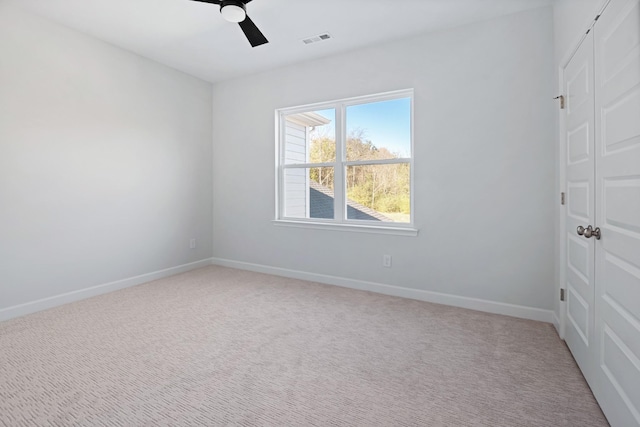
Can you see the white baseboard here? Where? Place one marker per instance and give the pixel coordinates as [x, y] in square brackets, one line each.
[54, 301]
[556, 322]
[435, 297]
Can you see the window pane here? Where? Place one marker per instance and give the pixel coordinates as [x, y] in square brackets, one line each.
[379, 130]
[379, 192]
[310, 137]
[308, 192]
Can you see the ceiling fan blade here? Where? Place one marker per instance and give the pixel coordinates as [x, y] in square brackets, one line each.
[255, 37]
[209, 1]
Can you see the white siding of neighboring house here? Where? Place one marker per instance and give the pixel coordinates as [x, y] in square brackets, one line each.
[296, 186]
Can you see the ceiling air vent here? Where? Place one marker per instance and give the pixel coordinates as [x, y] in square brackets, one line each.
[318, 38]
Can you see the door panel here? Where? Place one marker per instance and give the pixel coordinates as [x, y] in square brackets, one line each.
[622, 287]
[579, 258]
[617, 145]
[579, 200]
[578, 145]
[580, 211]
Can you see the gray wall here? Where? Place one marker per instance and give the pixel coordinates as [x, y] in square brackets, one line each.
[105, 162]
[484, 163]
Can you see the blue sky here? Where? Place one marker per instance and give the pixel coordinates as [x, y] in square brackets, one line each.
[386, 123]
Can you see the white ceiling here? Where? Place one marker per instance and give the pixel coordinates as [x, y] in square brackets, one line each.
[192, 36]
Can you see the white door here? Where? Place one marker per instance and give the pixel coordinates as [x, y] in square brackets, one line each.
[580, 206]
[617, 152]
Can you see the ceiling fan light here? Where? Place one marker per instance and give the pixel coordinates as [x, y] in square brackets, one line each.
[233, 12]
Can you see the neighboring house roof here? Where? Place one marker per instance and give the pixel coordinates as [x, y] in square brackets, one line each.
[308, 119]
[321, 205]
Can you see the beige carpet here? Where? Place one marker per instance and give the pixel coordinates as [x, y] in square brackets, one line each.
[218, 346]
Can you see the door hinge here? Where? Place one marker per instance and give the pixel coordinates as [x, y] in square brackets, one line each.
[561, 294]
[561, 98]
[563, 198]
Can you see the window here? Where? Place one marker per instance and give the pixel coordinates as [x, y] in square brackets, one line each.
[347, 163]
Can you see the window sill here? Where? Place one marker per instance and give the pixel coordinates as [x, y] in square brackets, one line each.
[355, 228]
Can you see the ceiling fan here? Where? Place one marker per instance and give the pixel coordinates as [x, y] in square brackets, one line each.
[236, 11]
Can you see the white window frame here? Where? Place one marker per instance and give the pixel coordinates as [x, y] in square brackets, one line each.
[340, 221]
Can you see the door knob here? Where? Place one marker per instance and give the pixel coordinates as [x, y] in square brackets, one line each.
[580, 230]
[596, 233]
[590, 232]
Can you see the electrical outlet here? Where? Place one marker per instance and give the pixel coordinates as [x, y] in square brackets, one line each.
[386, 261]
[192, 244]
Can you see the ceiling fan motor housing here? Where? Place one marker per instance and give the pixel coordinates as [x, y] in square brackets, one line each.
[233, 10]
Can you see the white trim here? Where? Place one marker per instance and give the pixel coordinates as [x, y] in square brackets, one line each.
[343, 226]
[377, 162]
[307, 177]
[556, 323]
[340, 164]
[340, 208]
[383, 96]
[308, 165]
[562, 220]
[412, 192]
[278, 124]
[57, 300]
[513, 310]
